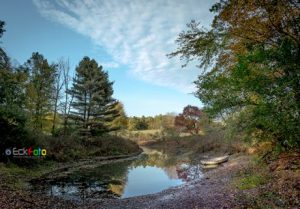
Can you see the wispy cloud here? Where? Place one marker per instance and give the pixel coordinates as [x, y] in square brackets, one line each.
[109, 64]
[135, 33]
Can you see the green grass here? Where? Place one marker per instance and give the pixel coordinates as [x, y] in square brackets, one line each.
[253, 176]
[250, 182]
[14, 177]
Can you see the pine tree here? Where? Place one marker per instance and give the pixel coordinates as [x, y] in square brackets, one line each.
[93, 106]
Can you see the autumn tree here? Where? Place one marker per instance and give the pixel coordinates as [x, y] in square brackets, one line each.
[93, 106]
[120, 122]
[189, 119]
[40, 87]
[252, 66]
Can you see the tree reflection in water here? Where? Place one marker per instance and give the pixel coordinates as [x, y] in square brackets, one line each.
[111, 180]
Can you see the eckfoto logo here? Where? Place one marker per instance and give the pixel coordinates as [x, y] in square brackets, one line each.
[37, 152]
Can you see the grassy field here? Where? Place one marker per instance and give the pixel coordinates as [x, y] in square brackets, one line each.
[143, 137]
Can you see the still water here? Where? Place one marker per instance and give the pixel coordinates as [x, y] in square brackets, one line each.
[151, 172]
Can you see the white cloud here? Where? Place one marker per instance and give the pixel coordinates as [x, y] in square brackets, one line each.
[109, 64]
[136, 33]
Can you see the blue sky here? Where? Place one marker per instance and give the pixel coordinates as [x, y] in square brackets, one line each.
[130, 39]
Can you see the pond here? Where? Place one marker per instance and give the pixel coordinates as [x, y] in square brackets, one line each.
[151, 172]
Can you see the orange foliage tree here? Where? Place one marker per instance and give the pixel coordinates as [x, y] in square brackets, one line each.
[189, 120]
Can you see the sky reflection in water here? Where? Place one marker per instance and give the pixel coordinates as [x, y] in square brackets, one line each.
[152, 172]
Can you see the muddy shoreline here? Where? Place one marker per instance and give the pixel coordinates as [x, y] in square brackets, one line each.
[87, 163]
[212, 191]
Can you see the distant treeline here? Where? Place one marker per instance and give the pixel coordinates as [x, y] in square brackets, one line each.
[189, 121]
[151, 123]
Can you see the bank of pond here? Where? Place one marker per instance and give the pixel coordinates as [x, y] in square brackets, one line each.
[150, 172]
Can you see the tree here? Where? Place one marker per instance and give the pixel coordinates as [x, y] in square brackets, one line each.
[68, 99]
[12, 115]
[39, 89]
[253, 53]
[4, 60]
[12, 81]
[189, 119]
[121, 121]
[60, 69]
[138, 123]
[93, 106]
[142, 124]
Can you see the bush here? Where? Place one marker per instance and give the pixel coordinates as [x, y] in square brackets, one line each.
[111, 145]
[68, 148]
[13, 131]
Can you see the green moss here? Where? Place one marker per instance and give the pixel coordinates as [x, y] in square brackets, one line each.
[15, 177]
[298, 172]
[250, 182]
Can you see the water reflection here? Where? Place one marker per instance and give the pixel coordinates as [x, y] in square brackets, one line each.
[147, 180]
[152, 172]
